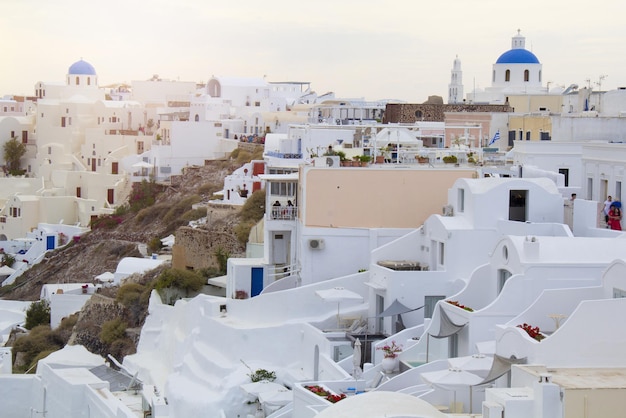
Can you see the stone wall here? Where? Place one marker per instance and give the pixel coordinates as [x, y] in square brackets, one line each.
[411, 113]
[195, 247]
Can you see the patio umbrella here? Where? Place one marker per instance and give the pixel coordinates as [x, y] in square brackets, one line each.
[356, 359]
[338, 294]
[617, 204]
[451, 379]
[142, 164]
[478, 364]
[107, 276]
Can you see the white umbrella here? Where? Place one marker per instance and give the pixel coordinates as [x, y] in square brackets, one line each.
[107, 276]
[356, 359]
[478, 364]
[338, 294]
[452, 379]
[6, 271]
[142, 164]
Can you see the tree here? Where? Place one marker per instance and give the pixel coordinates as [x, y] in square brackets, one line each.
[38, 313]
[14, 150]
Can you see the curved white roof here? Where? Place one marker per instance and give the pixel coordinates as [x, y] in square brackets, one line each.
[381, 404]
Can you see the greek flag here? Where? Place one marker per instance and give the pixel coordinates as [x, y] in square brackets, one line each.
[495, 137]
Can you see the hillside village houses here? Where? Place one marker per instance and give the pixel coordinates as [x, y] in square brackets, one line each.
[397, 238]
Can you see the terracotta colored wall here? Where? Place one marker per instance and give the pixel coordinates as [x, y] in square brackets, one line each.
[376, 198]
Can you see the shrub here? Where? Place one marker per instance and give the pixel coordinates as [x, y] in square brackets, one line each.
[242, 231]
[129, 294]
[154, 245]
[184, 280]
[254, 208]
[112, 330]
[181, 207]
[262, 374]
[105, 222]
[193, 214]
[450, 159]
[31, 347]
[222, 257]
[143, 195]
[38, 313]
[7, 260]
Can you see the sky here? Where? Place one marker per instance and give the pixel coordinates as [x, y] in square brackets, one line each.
[398, 49]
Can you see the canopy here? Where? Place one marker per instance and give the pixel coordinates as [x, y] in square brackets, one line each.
[142, 164]
[478, 364]
[338, 294]
[500, 366]
[396, 308]
[388, 136]
[451, 378]
[446, 326]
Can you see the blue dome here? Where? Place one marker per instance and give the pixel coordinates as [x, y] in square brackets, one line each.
[517, 56]
[81, 68]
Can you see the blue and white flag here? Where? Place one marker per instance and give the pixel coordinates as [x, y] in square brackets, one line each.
[495, 137]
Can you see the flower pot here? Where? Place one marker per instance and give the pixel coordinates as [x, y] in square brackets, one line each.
[389, 364]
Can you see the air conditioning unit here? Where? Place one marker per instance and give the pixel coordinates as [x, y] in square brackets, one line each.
[447, 210]
[332, 161]
[316, 244]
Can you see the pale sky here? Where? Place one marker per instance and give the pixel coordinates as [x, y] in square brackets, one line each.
[400, 49]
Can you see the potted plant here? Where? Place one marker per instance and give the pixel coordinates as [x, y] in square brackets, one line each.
[365, 160]
[356, 161]
[450, 159]
[390, 359]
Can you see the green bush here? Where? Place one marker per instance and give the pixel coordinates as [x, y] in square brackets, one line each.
[184, 280]
[112, 330]
[129, 294]
[38, 313]
[154, 245]
[450, 159]
[222, 257]
[180, 207]
[193, 214]
[7, 260]
[32, 345]
[254, 208]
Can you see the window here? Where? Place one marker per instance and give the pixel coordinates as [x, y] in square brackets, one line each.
[429, 305]
[442, 248]
[507, 75]
[517, 205]
[589, 188]
[77, 80]
[89, 81]
[461, 202]
[618, 191]
[526, 75]
[503, 276]
[283, 188]
[565, 172]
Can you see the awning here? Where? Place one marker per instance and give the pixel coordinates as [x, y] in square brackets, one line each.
[500, 366]
[446, 326]
[396, 308]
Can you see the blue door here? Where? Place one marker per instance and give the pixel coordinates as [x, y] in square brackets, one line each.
[256, 284]
[50, 242]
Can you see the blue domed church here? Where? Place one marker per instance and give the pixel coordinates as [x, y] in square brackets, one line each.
[81, 73]
[515, 72]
